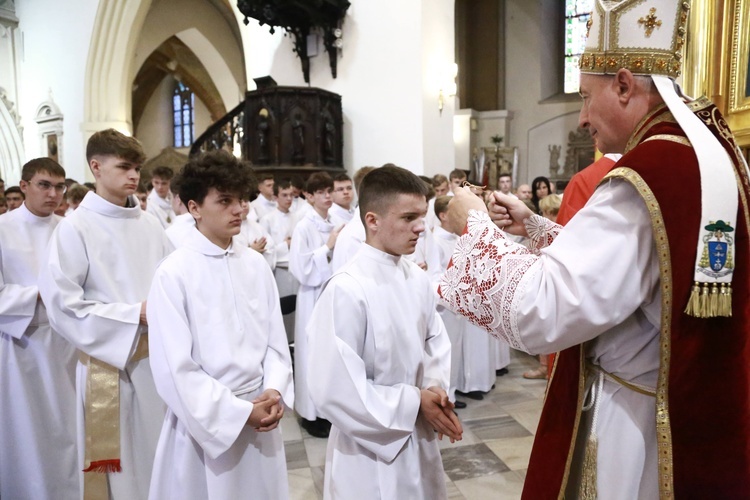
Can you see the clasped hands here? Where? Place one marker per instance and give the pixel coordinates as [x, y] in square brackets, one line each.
[506, 211]
[437, 410]
[267, 411]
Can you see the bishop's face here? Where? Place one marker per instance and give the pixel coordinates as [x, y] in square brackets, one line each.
[602, 113]
[397, 230]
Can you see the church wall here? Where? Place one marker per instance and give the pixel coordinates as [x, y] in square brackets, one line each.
[388, 114]
[53, 53]
[525, 73]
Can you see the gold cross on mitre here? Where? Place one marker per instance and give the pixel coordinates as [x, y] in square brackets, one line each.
[650, 22]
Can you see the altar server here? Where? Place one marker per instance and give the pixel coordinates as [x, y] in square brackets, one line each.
[101, 262]
[37, 366]
[379, 361]
[218, 350]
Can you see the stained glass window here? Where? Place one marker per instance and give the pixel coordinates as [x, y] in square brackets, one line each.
[183, 101]
[577, 13]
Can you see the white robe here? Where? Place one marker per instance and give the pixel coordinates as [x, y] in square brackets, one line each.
[341, 215]
[375, 341]
[598, 282]
[351, 237]
[217, 342]
[161, 208]
[37, 372]
[280, 226]
[309, 262]
[101, 262]
[262, 206]
[455, 324]
[183, 225]
[251, 231]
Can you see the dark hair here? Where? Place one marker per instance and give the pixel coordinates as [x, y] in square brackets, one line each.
[110, 142]
[91, 186]
[264, 176]
[359, 175]
[318, 181]
[217, 169]
[534, 184]
[282, 184]
[142, 188]
[69, 182]
[441, 204]
[457, 174]
[381, 185]
[297, 182]
[342, 177]
[14, 189]
[430, 188]
[48, 165]
[505, 174]
[165, 173]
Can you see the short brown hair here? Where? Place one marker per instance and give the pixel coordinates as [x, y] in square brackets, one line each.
[342, 177]
[48, 165]
[318, 181]
[162, 172]
[359, 175]
[110, 142]
[382, 185]
[457, 174]
[76, 193]
[441, 204]
[438, 180]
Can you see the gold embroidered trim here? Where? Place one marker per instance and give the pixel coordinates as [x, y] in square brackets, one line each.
[641, 129]
[669, 137]
[663, 429]
[579, 406]
[639, 62]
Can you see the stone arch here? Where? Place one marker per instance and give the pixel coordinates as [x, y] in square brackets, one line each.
[11, 144]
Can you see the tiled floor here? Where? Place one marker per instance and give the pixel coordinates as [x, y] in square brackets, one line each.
[489, 462]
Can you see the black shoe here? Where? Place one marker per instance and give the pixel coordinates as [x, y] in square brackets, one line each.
[319, 428]
[501, 372]
[477, 395]
[459, 405]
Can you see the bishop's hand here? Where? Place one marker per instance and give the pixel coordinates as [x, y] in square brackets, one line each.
[508, 213]
[458, 209]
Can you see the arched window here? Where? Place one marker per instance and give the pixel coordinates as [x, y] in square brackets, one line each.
[577, 14]
[183, 106]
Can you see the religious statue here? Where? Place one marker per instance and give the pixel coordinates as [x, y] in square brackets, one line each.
[328, 141]
[298, 140]
[554, 159]
[262, 136]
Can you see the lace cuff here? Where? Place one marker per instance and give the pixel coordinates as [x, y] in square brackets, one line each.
[542, 232]
[486, 279]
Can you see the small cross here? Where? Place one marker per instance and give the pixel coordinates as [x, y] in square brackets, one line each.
[650, 22]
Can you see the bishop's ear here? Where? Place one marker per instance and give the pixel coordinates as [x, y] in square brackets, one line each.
[624, 82]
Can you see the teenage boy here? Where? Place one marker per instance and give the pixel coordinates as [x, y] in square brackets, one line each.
[280, 224]
[160, 199]
[37, 366]
[310, 262]
[266, 201]
[343, 196]
[218, 350]
[379, 361]
[13, 197]
[353, 234]
[457, 177]
[95, 284]
[254, 236]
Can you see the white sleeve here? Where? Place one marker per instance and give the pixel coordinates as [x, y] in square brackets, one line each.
[213, 416]
[308, 262]
[277, 363]
[437, 359]
[105, 331]
[598, 271]
[379, 418]
[17, 307]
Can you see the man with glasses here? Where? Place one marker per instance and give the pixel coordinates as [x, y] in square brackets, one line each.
[37, 366]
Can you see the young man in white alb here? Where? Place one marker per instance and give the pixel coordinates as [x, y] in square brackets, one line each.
[379, 363]
[160, 199]
[218, 350]
[95, 284]
[343, 199]
[37, 366]
[266, 201]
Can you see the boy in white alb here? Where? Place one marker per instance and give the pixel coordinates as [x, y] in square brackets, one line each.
[101, 261]
[159, 202]
[343, 208]
[379, 361]
[37, 366]
[218, 350]
[310, 262]
[266, 201]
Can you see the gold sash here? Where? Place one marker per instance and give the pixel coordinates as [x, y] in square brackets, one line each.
[102, 421]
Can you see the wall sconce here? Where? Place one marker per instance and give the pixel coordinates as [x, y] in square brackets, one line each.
[448, 85]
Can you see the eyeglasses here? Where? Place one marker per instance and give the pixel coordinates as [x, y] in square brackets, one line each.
[46, 186]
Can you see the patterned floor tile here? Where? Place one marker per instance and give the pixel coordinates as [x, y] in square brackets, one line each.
[496, 428]
[471, 461]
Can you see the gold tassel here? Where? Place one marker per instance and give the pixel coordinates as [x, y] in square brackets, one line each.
[713, 301]
[694, 303]
[588, 472]
[703, 312]
[725, 300]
